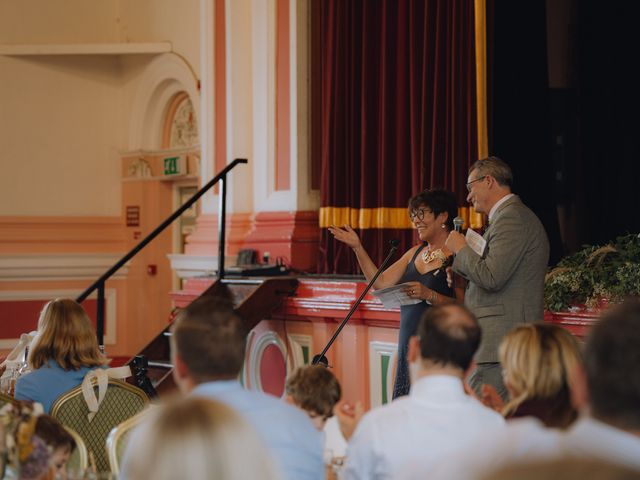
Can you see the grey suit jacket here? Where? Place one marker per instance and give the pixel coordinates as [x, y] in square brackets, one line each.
[506, 283]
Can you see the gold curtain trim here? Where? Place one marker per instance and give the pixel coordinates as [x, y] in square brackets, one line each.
[382, 217]
[471, 218]
[480, 7]
[385, 217]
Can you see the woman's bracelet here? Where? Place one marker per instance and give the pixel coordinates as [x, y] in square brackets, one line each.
[434, 297]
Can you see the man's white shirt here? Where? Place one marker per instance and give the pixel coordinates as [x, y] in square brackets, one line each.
[436, 418]
[592, 438]
[527, 440]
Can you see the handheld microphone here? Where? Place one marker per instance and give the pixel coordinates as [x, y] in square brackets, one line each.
[395, 243]
[457, 224]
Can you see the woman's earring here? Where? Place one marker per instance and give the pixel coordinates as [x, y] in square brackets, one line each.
[443, 226]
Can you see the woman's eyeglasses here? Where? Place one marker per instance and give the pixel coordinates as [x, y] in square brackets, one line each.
[418, 214]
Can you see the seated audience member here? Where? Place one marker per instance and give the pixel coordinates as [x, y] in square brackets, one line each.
[536, 360]
[316, 390]
[606, 393]
[437, 416]
[64, 350]
[60, 442]
[196, 439]
[208, 347]
[569, 468]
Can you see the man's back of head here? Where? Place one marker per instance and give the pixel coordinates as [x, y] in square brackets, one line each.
[612, 363]
[208, 340]
[449, 336]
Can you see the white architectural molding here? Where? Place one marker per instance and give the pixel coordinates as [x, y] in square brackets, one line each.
[206, 118]
[258, 348]
[264, 110]
[239, 78]
[187, 266]
[299, 346]
[381, 381]
[300, 53]
[194, 149]
[110, 300]
[164, 77]
[299, 196]
[56, 267]
[86, 49]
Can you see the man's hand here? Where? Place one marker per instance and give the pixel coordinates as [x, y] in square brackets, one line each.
[455, 242]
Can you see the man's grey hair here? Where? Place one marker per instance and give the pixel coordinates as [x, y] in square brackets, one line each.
[495, 167]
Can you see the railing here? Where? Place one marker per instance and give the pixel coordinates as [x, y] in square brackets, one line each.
[222, 210]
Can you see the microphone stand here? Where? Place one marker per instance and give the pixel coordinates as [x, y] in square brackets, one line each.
[321, 359]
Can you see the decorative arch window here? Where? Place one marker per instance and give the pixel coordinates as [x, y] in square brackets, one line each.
[181, 124]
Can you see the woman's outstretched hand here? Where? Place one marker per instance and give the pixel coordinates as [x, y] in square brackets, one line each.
[346, 235]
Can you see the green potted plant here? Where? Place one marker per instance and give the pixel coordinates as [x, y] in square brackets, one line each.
[594, 276]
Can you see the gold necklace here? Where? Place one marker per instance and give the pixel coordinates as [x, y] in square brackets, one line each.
[429, 256]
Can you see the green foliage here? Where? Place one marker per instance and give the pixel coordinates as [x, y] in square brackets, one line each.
[594, 273]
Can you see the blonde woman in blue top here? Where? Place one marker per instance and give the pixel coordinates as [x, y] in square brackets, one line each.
[64, 350]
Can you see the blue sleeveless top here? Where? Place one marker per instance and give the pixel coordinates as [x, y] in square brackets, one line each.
[410, 316]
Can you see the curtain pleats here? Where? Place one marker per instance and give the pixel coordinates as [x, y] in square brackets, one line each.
[399, 114]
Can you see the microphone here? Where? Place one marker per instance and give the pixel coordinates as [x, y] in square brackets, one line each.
[320, 359]
[457, 223]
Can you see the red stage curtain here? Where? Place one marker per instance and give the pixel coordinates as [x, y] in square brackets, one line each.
[398, 115]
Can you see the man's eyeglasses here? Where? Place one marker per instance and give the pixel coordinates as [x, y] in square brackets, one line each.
[419, 214]
[474, 181]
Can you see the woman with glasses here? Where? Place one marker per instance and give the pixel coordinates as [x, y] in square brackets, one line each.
[422, 268]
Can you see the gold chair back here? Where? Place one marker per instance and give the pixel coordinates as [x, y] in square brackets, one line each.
[118, 439]
[122, 401]
[79, 459]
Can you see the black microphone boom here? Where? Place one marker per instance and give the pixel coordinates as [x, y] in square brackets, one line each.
[321, 359]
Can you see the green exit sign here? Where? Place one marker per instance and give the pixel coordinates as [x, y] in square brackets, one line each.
[172, 166]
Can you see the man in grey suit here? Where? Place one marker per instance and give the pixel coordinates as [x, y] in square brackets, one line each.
[505, 283]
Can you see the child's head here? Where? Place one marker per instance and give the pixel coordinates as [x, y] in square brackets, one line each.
[60, 442]
[316, 390]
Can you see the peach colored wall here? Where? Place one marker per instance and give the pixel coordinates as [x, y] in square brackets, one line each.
[160, 21]
[123, 330]
[59, 151]
[63, 122]
[61, 235]
[58, 21]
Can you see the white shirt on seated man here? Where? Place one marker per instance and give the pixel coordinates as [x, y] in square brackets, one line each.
[437, 417]
[606, 392]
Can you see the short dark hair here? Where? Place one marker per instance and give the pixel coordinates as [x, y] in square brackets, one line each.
[612, 362]
[314, 389]
[495, 167]
[209, 337]
[438, 201]
[449, 341]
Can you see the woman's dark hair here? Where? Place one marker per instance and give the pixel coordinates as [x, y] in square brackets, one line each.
[438, 201]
